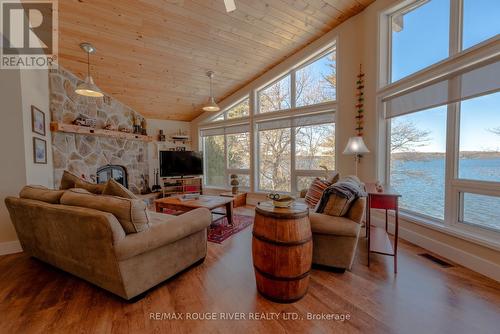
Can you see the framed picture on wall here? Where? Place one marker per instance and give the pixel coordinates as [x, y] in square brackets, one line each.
[37, 121]
[39, 151]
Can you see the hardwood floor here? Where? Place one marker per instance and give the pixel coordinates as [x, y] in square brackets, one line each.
[421, 298]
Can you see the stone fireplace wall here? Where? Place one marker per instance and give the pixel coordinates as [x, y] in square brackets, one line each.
[83, 154]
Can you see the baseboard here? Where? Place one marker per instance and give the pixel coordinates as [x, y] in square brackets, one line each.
[457, 255]
[10, 247]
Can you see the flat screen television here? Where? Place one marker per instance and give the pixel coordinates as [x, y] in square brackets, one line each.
[180, 163]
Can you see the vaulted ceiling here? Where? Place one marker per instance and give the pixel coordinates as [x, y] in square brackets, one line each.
[153, 54]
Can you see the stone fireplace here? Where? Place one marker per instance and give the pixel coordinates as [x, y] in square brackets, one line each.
[115, 172]
[85, 154]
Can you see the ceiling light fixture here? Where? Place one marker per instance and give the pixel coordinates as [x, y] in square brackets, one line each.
[211, 104]
[88, 87]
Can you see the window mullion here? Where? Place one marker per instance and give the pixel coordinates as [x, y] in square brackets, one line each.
[293, 90]
[456, 20]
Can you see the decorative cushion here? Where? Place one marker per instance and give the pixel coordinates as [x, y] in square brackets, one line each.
[114, 188]
[70, 180]
[41, 193]
[131, 213]
[315, 191]
[337, 206]
[340, 196]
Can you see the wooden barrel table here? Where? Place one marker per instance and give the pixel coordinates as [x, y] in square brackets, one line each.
[282, 251]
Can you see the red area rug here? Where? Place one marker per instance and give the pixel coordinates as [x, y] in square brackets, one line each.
[220, 230]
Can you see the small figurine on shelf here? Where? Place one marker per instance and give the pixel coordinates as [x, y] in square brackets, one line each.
[144, 125]
[161, 136]
[234, 184]
[137, 125]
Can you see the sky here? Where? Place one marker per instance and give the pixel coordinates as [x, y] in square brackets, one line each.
[424, 41]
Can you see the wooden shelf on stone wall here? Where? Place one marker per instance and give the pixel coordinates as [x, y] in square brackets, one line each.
[84, 130]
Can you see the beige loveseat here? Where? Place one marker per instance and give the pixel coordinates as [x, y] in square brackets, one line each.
[335, 239]
[93, 244]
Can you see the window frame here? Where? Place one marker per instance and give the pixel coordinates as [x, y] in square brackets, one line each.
[457, 60]
[255, 116]
[294, 173]
[293, 75]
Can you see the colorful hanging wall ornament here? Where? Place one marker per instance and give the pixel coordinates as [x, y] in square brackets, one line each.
[360, 98]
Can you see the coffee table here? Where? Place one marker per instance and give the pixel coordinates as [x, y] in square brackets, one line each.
[204, 201]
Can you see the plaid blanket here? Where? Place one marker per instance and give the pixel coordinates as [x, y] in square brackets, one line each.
[349, 188]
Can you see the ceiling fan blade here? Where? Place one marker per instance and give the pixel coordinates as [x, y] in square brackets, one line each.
[230, 5]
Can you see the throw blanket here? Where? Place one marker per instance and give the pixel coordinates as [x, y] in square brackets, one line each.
[349, 188]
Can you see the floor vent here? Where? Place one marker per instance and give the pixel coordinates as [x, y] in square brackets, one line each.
[436, 260]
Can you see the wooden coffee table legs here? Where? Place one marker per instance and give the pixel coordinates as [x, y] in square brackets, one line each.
[229, 212]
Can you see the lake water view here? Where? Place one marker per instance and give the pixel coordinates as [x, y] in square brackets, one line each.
[421, 182]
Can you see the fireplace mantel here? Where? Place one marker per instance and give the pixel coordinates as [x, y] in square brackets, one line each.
[83, 130]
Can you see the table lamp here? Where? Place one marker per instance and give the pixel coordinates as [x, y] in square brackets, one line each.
[356, 146]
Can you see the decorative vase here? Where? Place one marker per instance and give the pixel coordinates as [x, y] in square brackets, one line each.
[234, 184]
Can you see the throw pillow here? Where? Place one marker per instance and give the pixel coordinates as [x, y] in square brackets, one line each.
[41, 193]
[338, 198]
[70, 180]
[315, 191]
[337, 206]
[131, 213]
[114, 188]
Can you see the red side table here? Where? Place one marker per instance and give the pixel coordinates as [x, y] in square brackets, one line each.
[377, 237]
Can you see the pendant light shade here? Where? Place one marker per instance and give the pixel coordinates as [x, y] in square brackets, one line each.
[88, 87]
[211, 104]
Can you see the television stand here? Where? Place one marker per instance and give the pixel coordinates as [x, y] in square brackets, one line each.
[181, 185]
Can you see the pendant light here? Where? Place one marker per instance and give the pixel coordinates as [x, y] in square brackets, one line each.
[211, 104]
[88, 87]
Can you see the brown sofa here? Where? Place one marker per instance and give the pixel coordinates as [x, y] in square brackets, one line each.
[93, 245]
[335, 239]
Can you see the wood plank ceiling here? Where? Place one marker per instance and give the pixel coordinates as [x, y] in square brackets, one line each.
[153, 54]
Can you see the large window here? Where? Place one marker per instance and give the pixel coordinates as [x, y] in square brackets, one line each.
[480, 210]
[418, 146]
[238, 150]
[214, 160]
[479, 156]
[480, 21]
[420, 37]
[316, 81]
[293, 151]
[238, 110]
[226, 152]
[280, 135]
[274, 160]
[276, 97]
[443, 123]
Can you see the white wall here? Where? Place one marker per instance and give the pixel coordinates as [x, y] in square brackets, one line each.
[12, 173]
[169, 128]
[20, 90]
[35, 91]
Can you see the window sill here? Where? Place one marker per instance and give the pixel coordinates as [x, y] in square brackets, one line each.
[451, 230]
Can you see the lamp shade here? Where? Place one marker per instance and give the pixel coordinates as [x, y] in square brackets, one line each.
[211, 105]
[88, 88]
[355, 145]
